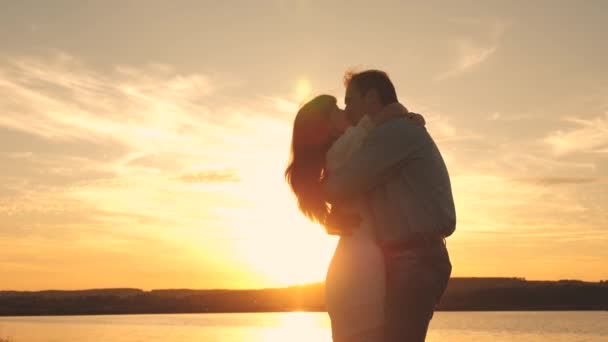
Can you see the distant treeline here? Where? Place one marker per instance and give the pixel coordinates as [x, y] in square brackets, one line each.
[462, 294]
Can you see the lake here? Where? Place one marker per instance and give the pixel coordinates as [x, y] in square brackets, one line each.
[298, 326]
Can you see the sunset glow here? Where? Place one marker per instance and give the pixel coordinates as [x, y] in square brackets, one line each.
[147, 150]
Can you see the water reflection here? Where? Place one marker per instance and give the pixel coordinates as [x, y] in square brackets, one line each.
[298, 327]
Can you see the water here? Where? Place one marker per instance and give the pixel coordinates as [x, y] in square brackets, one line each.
[298, 326]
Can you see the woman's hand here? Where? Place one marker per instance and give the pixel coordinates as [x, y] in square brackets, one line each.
[416, 118]
[395, 110]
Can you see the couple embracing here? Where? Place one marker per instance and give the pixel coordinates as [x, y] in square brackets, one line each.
[372, 174]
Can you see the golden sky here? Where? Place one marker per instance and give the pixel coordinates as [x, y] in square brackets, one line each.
[142, 143]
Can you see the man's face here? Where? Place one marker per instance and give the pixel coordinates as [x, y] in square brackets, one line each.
[356, 107]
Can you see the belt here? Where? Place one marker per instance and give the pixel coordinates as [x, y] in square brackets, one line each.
[414, 241]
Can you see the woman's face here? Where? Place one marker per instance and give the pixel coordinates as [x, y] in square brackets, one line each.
[339, 121]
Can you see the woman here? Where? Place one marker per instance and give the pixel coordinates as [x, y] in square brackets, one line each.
[322, 141]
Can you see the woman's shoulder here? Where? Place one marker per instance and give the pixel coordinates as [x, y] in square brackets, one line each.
[339, 149]
[346, 144]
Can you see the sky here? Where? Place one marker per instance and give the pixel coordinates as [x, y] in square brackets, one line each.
[143, 143]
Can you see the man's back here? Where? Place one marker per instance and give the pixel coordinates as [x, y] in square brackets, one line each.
[402, 170]
[416, 196]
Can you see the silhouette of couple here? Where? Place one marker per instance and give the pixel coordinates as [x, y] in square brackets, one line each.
[372, 174]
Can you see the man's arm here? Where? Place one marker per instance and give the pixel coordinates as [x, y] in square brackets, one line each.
[387, 146]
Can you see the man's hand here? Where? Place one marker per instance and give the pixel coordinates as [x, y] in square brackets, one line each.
[339, 222]
[395, 110]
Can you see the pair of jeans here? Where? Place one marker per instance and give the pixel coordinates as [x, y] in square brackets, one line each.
[416, 280]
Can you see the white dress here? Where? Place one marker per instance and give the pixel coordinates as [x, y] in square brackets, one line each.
[355, 282]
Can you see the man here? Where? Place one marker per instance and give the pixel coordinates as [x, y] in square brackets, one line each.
[404, 178]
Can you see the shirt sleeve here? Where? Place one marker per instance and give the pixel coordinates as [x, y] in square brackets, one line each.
[347, 144]
[386, 146]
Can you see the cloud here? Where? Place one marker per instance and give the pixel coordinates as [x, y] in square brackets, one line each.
[283, 105]
[61, 99]
[64, 123]
[556, 180]
[495, 116]
[589, 136]
[441, 125]
[168, 161]
[124, 142]
[214, 176]
[471, 52]
[493, 203]
[39, 182]
[498, 116]
[469, 55]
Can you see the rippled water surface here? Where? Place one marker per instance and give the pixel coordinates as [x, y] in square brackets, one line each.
[298, 326]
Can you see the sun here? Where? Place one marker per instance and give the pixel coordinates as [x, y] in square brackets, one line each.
[277, 242]
[274, 244]
[303, 89]
[295, 253]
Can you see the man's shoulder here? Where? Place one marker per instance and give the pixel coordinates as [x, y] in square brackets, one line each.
[400, 129]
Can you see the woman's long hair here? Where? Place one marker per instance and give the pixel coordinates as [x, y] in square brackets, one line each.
[310, 141]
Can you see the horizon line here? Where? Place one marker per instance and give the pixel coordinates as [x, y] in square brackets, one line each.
[600, 281]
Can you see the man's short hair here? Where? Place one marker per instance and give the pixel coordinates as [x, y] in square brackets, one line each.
[373, 79]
